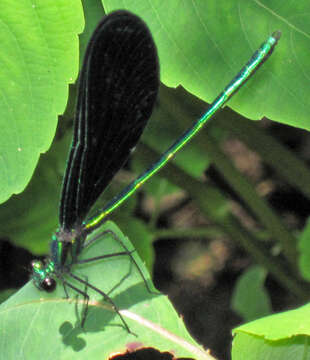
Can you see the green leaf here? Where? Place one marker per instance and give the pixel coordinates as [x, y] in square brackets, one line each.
[39, 58]
[168, 123]
[304, 251]
[250, 298]
[140, 235]
[30, 218]
[280, 336]
[247, 347]
[93, 13]
[31, 317]
[4, 295]
[158, 186]
[203, 44]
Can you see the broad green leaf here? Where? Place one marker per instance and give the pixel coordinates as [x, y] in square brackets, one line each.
[31, 317]
[203, 44]
[93, 13]
[250, 298]
[140, 234]
[29, 219]
[168, 123]
[38, 58]
[4, 295]
[304, 251]
[247, 347]
[280, 336]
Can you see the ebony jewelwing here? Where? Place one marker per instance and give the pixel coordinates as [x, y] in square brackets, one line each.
[118, 87]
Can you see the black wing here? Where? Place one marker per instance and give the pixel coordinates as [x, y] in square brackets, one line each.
[118, 87]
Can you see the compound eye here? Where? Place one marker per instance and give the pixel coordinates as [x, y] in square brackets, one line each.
[48, 284]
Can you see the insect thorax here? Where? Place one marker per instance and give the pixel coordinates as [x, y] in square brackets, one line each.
[64, 249]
